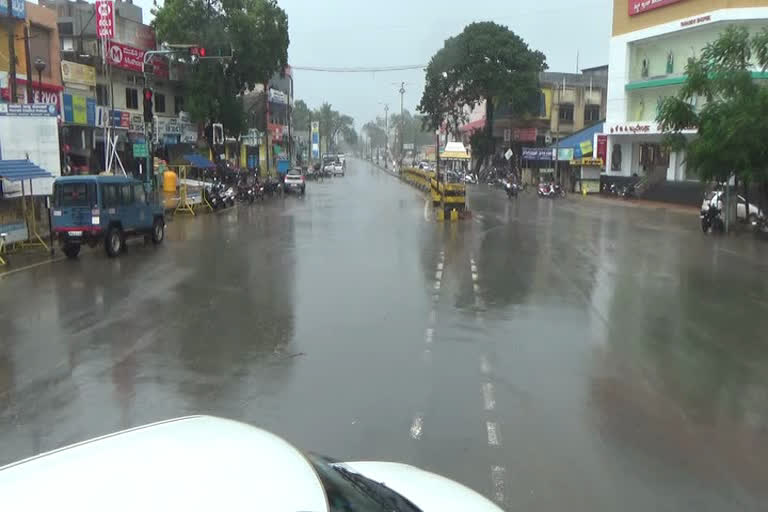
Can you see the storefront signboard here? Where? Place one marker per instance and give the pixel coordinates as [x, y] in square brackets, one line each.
[602, 147]
[137, 123]
[18, 9]
[565, 154]
[130, 58]
[28, 109]
[537, 153]
[525, 134]
[641, 6]
[105, 19]
[586, 147]
[74, 73]
[140, 150]
[79, 109]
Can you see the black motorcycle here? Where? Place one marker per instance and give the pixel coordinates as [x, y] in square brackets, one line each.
[629, 191]
[712, 220]
[213, 193]
[511, 189]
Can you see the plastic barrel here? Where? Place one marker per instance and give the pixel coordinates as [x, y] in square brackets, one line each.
[169, 181]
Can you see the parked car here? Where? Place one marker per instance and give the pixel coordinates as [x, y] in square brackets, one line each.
[103, 209]
[294, 182]
[755, 212]
[207, 463]
[338, 168]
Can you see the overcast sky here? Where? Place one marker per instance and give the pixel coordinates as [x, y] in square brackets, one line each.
[369, 33]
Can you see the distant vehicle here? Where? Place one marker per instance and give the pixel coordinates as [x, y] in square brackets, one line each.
[755, 212]
[338, 168]
[294, 182]
[342, 157]
[233, 466]
[426, 166]
[103, 209]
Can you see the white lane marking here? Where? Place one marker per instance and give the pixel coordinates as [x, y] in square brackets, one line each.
[427, 357]
[497, 477]
[440, 266]
[435, 297]
[485, 366]
[429, 336]
[493, 433]
[474, 276]
[474, 268]
[432, 316]
[439, 275]
[426, 210]
[437, 285]
[33, 265]
[417, 427]
[478, 221]
[488, 399]
[476, 288]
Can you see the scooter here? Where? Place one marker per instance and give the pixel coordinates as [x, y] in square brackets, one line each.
[544, 190]
[712, 220]
[213, 194]
[511, 189]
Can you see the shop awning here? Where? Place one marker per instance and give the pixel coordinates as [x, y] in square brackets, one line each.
[20, 170]
[580, 142]
[472, 126]
[199, 161]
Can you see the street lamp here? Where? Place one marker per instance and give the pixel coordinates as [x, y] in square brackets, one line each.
[40, 67]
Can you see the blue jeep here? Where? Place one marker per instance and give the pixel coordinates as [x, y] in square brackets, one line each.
[95, 209]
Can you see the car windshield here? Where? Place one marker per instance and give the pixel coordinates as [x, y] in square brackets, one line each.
[294, 173]
[348, 490]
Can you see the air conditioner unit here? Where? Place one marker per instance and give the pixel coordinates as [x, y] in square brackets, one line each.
[67, 44]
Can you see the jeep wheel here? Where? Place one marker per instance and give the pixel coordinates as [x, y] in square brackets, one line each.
[113, 243]
[71, 250]
[158, 231]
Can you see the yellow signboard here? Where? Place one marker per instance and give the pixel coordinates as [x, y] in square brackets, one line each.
[545, 104]
[586, 147]
[74, 73]
[587, 162]
[79, 111]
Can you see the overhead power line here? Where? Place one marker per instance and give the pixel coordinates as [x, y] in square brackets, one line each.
[360, 69]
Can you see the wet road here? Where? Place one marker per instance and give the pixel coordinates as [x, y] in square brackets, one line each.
[550, 354]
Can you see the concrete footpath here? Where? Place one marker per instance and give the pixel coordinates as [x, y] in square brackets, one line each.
[639, 203]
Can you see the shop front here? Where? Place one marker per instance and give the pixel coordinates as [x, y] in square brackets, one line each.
[78, 122]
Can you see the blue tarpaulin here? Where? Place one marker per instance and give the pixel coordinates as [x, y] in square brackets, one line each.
[575, 140]
[199, 161]
[20, 170]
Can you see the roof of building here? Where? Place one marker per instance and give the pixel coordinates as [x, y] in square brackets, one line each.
[604, 67]
[572, 79]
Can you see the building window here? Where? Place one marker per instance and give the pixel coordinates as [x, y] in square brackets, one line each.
[566, 112]
[131, 98]
[178, 104]
[102, 95]
[160, 103]
[66, 29]
[591, 113]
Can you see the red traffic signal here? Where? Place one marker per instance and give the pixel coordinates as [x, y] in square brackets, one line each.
[197, 51]
[147, 94]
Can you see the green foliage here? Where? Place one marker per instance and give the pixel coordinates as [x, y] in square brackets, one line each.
[731, 125]
[488, 62]
[255, 30]
[301, 115]
[333, 123]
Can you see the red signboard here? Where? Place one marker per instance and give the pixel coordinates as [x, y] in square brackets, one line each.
[132, 59]
[105, 19]
[276, 130]
[640, 6]
[525, 134]
[602, 147]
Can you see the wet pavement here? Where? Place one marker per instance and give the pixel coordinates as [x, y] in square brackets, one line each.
[550, 354]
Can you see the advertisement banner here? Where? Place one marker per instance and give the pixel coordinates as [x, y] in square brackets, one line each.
[525, 134]
[565, 154]
[27, 110]
[586, 147]
[537, 153]
[641, 6]
[105, 19]
[602, 147]
[315, 139]
[132, 59]
[79, 109]
[74, 73]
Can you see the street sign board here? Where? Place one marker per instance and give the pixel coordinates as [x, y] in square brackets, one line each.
[140, 150]
[507, 135]
[408, 147]
[105, 19]
[509, 154]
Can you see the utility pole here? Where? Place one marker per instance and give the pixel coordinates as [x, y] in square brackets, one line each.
[402, 124]
[386, 133]
[10, 22]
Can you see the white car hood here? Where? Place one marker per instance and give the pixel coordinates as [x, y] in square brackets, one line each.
[428, 491]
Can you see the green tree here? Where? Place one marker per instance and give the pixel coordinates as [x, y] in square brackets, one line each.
[487, 62]
[301, 115]
[725, 105]
[331, 124]
[246, 29]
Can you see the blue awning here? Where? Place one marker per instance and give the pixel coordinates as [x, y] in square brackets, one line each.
[199, 161]
[20, 170]
[575, 140]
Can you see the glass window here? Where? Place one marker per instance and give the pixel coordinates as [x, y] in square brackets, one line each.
[138, 193]
[126, 195]
[160, 103]
[109, 196]
[592, 113]
[102, 95]
[566, 112]
[73, 194]
[178, 104]
[131, 98]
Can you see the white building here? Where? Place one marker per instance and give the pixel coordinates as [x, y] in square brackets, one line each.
[650, 46]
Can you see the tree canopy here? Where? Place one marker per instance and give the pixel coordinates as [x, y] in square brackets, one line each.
[726, 106]
[301, 115]
[487, 62]
[254, 32]
[334, 123]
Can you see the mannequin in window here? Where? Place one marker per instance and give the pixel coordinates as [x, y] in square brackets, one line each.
[644, 70]
[616, 158]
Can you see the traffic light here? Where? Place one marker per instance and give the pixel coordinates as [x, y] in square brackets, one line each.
[197, 52]
[147, 105]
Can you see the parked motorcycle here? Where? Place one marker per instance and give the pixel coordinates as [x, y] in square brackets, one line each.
[213, 194]
[628, 192]
[712, 220]
[550, 190]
